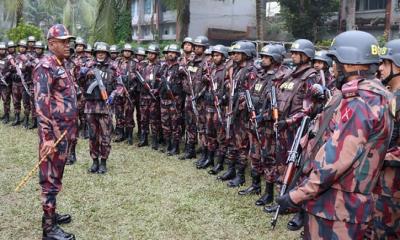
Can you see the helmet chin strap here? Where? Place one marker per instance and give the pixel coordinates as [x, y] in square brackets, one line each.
[391, 76]
[343, 75]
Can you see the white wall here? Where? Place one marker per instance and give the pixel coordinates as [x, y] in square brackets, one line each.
[225, 14]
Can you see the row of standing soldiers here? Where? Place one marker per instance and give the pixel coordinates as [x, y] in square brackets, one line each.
[237, 108]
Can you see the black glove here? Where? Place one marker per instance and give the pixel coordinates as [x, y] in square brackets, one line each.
[281, 124]
[286, 203]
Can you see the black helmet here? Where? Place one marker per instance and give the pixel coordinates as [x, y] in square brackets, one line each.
[174, 48]
[187, 40]
[220, 49]
[101, 47]
[3, 46]
[323, 56]
[355, 47]
[22, 43]
[11, 44]
[201, 41]
[242, 47]
[391, 51]
[80, 41]
[153, 48]
[127, 47]
[140, 51]
[31, 39]
[114, 49]
[304, 46]
[273, 51]
[39, 44]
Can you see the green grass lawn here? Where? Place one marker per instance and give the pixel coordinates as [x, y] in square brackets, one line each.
[145, 195]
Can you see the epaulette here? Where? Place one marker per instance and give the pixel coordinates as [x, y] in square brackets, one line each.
[350, 89]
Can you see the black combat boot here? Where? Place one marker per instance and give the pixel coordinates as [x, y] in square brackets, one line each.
[203, 157]
[26, 121]
[219, 167]
[120, 135]
[72, 156]
[175, 149]
[297, 221]
[51, 231]
[168, 147]
[102, 167]
[271, 208]
[154, 142]
[255, 187]
[143, 140]
[17, 121]
[86, 131]
[129, 137]
[230, 173]
[209, 161]
[268, 196]
[95, 166]
[190, 152]
[239, 180]
[6, 118]
[34, 123]
[63, 218]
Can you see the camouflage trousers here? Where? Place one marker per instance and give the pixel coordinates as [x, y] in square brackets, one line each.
[51, 171]
[81, 110]
[386, 219]
[150, 115]
[257, 163]
[6, 92]
[136, 103]
[320, 228]
[190, 122]
[119, 108]
[17, 91]
[171, 119]
[221, 135]
[100, 126]
[238, 145]
[212, 126]
[27, 100]
[129, 111]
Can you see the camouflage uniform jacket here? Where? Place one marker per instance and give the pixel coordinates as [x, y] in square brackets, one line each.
[346, 167]
[55, 97]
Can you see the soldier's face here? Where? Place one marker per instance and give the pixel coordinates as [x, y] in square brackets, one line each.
[296, 57]
[151, 56]
[2, 51]
[101, 56]
[238, 57]
[385, 67]
[60, 48]
[30, 44]
[11, 50]
[319, 65]
[140, 57]
[127, 54]
[171, 56]
[187, 47]
[217, 58]
[22, 49]
[113, 55]
[198, 50]
[79, 48]
[266, 61]
[39, 51]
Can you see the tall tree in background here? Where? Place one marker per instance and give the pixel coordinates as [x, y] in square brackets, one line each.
[306, 18]
[106, 18]
[182, 16]
[19, 11]
[261, 19]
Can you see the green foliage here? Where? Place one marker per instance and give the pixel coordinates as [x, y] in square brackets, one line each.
[106, 18]
[324, 43]
[382, 40]
[307, 18]
[123, 29]
[23, 31]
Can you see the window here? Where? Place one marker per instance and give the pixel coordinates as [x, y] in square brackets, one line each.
[147, 6]
[365, 5]
[134, 7]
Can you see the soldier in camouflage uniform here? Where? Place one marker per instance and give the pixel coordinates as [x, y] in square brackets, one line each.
[55, 98]
[149, 107]
[125, 104]
[114, 53]
[241, 77]
[347, 146]
[97, 106]
[214, 97]
[9, 76]
[171, 94]
[5, 84]
[322, 62]
[294, 98]
[386, 218]
[31, 45]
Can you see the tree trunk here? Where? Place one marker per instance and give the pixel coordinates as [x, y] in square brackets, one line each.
[182, 19]
[388, 19]
[351, 15]
[342, 16]
[261, 19]
[19, 11]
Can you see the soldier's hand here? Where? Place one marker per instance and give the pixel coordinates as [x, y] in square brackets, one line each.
[259, 118]
[280, 124]
[47, 148]
[285, 203]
